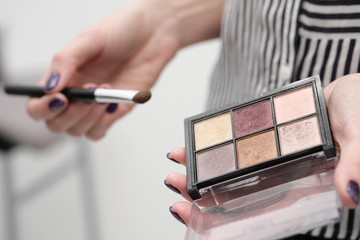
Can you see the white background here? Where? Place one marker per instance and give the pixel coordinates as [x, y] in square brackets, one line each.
[129, 164]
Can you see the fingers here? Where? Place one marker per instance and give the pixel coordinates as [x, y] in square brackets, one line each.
[54, 108]
[347, 173]
[88, 121]
[63, 70]
[177, 155]
[181, 211]
[177, 183]
[71, 116]
[78, 117]
[47, 107]
[113, 112]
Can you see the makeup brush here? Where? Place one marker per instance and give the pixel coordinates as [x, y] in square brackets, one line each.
[100, 95]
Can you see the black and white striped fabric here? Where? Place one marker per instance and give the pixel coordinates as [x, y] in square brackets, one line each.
[269, 43]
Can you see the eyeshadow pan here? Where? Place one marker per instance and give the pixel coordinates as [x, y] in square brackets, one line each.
[294, 104]
[213, 131]
[252, 118]
[299, 135]
[256, 148]
[215, 162]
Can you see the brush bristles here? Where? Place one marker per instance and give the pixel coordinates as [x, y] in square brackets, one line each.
[142, 97]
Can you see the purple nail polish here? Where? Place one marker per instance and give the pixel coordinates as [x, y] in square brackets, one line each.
[172, 188]
[55, 104]
[112, 108]
[168, 157]
[52, 81]
[176, 216]
[354, 191]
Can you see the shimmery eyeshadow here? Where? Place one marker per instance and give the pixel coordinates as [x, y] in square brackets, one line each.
[256, 148]
[215, 162]
[299, 135]
[294, 104]
[213, 131]
[252, 118]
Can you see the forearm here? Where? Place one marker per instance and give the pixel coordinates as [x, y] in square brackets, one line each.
[190, 21]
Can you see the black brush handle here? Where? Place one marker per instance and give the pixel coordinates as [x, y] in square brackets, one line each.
[38, 91]
[31, 91]
[79, 93]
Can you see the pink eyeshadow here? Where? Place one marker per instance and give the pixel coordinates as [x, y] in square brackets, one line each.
[299, 135]
[295, 104]
[215, 162]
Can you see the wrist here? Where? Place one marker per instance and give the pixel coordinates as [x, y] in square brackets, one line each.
[198, 20]
[188, 21]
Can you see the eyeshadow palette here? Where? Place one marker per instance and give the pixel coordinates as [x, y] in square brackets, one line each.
[283, 125]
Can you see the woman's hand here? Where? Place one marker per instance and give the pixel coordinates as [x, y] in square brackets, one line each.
[124, 50]
[343, 102]
[127, 49]
[177, 182]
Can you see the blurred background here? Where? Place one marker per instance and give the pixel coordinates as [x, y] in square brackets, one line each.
[58, 187]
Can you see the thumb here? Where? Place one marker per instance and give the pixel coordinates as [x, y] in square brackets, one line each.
[80, 51]
[347, 173]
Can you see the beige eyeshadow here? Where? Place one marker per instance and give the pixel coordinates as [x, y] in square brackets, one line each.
[294, 104]
[299, 135]
[213, 131]
[256, 148]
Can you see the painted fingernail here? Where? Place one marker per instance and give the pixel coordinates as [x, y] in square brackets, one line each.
[52, 81]
[176, 215]
[172, 188]
[354, 191]
[168, 157]
[56, 104]
[112, 108]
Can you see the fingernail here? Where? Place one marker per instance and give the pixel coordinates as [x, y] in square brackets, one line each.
[56, 104]
[176, 216]
[112, 108]
[52, 81]
[168, 157]
[354, 191]
[172, 188]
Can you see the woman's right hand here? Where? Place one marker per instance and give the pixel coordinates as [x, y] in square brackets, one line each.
[127, 49]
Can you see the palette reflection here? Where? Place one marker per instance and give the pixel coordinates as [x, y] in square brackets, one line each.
[269, 130]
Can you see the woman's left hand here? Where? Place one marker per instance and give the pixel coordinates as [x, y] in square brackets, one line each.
[343, 102]
[342, 98]
[177, 182]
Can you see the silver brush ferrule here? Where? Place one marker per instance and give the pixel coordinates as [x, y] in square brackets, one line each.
[114, 95]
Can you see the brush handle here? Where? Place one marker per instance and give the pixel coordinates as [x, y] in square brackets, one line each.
[38, 91]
